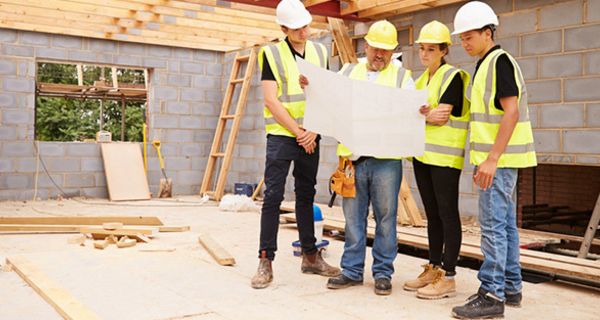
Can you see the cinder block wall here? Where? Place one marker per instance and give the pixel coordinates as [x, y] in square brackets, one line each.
[183, 103]
[558, 49]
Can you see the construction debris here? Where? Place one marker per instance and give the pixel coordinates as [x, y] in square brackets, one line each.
[216, 251]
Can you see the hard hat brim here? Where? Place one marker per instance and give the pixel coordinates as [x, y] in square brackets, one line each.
[380, 45]
[297, 24]
[433, 41]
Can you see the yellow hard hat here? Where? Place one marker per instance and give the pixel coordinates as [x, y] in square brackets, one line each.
[383, 35]
[434, 32]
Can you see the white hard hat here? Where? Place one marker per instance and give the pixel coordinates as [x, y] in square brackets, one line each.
[473, 16]
[292, 14]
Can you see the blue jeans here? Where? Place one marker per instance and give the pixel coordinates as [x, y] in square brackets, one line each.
[377, 183]
[500, 272]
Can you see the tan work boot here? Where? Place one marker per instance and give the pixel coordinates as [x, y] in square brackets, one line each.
[425, 278]
[314, 263]
[264, 274]
[439, 288]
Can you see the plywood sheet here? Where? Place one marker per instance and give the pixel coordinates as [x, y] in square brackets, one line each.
[124, 170]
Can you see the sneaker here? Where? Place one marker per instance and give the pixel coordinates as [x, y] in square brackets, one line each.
[314, 263]
[341, 282]
[383, 286]
[482, 305]
[425, 278]
[440, 287]
[513, 300]
[264, 273]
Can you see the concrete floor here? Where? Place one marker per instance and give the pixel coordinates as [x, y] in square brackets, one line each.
[188, 284]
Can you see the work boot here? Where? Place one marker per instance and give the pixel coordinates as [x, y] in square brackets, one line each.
[314, 263]
[264, 274]
[425, 278]
[341, 282]
[440, 287]
[482, 305]
[513, 299]
[383, 286]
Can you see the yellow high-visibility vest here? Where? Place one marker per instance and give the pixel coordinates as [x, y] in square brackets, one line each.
[445, 145]
[284, 68]
[485, 118]
[391, 76]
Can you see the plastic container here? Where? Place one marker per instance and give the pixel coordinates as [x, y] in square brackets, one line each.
[318, 217]
[244, 188]
[298, 248]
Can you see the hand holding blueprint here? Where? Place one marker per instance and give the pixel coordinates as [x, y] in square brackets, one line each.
[370, 119]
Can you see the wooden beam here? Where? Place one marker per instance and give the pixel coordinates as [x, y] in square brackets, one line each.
[590, 232]
[409, 203]
[351, 7]
[58, 297]
[398, 7]
[216, 251]
[130, 231]
[82, 220]
[312, 3]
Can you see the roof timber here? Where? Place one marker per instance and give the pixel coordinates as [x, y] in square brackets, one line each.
[401, 7]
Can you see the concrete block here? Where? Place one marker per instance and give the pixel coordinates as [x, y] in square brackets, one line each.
[593, 10]
[51, 53]
[16, 116]
[592, 62]
[208, 56]
[544, 91]
[105, 58]
[191, 122]
[16, 181]
[17, 149]
[19, 85]
[6, 165]
[194, 95]
[92, 164]
[79, 180]
[55, 165]
[561, 66]
[213, 69]
[202, 81]
[99, 192]
[581, 141]
[204, 109]
[8, 36]
[557, 116]
[8, 67]
[178, 164]
[520, 5]
[191, 150]
[8, 133]
[547, 140]
[173, 66]
[533, 116]
[66, 42]
[192, 67]
[132, 61]
[179, 135]
[35, 38]
[582, 89]
[83, 149]
[593, 115]
[541, 43]
[97, 45]
[199, 164]
[203, 136]
[182, 53]
[179, 80]
[560, 15]
[155, 63]
[582, 38]
[8, 100]
[165, 93]
[189, 177]
[44, 181]
[165, 122]
[100, 179]
[159, 51]
[587, 160]
[178, 107]
[510, 44]
[52, 149]
[214, 96]
[517, 23]
[16, 50]
[132, 48]
[529, 68]
[83, 56]
[468, 205]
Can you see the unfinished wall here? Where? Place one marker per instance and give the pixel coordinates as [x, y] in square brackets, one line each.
[184, 98]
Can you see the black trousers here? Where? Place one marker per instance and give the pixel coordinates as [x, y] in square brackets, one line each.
[281, 152]
[438, 187]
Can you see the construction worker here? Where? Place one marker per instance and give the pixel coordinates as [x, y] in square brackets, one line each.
[377, 181]
[501, 141]
[287, 141]
[438, 170]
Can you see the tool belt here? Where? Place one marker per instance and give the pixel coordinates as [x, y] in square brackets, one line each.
[342, 180]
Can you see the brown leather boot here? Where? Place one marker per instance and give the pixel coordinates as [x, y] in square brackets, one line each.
[425, 278]
[314, 263]
[264, 274]
[440, 287]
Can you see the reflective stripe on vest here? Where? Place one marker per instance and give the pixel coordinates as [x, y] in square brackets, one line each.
[445, 145]
[486, 118]
[391, 76]
[283, 65]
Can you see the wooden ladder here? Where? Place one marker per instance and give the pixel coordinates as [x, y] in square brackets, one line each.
[215, 152]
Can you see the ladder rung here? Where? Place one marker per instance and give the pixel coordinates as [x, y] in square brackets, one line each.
[240, 80]
[243, 58]
[229, 116]
[219, 154]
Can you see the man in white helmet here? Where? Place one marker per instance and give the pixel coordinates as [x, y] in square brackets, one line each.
[287, 141]
[501, 141]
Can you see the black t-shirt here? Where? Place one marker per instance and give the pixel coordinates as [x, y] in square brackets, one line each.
[267, 73]
[454, 95]
[506, 86]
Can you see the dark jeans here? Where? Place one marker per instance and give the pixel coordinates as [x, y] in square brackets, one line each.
[281, 151]
[438, 187]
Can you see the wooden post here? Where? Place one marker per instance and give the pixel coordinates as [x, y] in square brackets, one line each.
[122, 118]
[590, 232]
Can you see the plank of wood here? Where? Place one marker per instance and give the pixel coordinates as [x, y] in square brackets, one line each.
[37, 227]
[118, 232]
[590, 231]
[411, 206]
[124, 170]
[403, 218]
[59, 298]
[221, 255]
[126, 242]
[173, 228]
[83, 220]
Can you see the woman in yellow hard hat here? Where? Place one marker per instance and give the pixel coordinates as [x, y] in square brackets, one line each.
[438, 170]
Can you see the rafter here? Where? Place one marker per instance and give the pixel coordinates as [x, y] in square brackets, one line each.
[402, 6]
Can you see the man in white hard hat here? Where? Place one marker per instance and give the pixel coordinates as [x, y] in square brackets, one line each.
[501, 142]
[288, 142]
